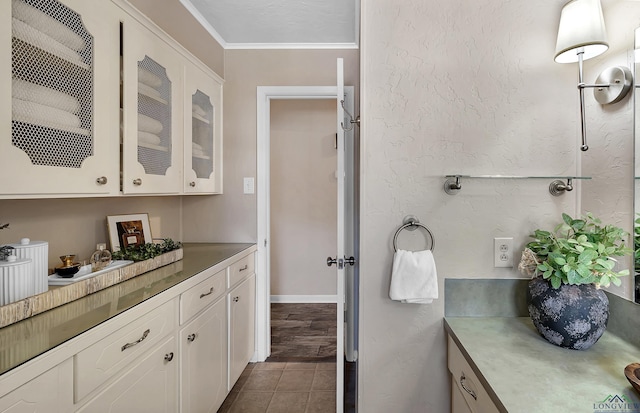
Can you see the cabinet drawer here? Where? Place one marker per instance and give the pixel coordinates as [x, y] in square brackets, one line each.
[241, 269]
[200, 296]
[99, 362]
[465, 379]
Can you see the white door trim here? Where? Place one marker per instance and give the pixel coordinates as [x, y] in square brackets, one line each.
[263, 294]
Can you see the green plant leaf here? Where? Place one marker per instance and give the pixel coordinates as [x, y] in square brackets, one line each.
[556, 282]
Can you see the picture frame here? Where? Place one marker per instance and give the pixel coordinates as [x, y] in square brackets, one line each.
[128, 230]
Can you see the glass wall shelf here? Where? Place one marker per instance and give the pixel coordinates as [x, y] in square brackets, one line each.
[557, 187]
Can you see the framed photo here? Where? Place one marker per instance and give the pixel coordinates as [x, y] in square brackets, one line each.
[128, 230]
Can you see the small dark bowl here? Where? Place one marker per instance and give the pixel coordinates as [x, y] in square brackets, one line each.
[632, 372]
[68, 272]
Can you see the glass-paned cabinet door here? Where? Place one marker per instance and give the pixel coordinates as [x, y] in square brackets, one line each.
[60, 134]
[151, 113]
[203, 132]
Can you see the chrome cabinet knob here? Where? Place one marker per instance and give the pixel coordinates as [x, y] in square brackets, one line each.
[191, 337]
[137, 181]
[192, 184]
[331, 261]
[168, 357]
[102, 180]
[236, 299]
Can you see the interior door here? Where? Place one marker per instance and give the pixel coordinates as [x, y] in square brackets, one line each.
[340, 253]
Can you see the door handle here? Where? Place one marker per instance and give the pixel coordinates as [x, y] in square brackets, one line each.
[351, 261]
[338, 261]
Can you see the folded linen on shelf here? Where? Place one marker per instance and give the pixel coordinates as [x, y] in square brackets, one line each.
[147, 124]
[197, 110]
[44, 113]
[21, 30]
[148, 78]
[148, 91]
[150, 138]
[45, 96]
[46, 24]
[414, 278]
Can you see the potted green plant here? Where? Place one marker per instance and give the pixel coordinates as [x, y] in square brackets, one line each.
[569, 265]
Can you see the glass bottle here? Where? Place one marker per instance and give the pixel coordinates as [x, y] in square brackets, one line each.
[101, 258]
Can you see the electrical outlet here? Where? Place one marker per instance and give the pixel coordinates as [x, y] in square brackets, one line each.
[248, 185]
[503, 252]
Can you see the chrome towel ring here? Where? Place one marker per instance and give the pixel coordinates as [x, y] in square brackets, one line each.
[411, 223]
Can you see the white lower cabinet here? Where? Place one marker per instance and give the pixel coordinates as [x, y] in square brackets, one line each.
[50, 392]
[203, 361]
[467, 393]
[180, 351]
[150, 385]
[241, 327]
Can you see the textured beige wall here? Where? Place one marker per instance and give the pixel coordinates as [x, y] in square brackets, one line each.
[303, 196]
[76, 225]
[232, 216]
[452, 87]
[180, 24]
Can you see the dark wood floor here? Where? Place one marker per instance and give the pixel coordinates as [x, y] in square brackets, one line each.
[303, 332]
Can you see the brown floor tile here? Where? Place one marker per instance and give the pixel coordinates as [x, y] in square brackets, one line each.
[271, 366]
[296, 380]
[288, 402]
[321, 402]
[327, 366]
[228, 402]
[251, 402]
[324, 380]
[262, 380]
[328, 350]
[300, 366]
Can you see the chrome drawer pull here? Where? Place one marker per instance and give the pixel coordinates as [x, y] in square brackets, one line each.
[471, 392]
[245, 267]
[138, 341]
[206, 294]
[191, 337]
[168, 356]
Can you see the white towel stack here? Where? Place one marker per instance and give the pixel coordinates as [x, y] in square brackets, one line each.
[198, 150]
[414, 278]
[33, 103]
[149, 128]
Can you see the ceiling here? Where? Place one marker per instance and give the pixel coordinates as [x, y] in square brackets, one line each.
[278, 24]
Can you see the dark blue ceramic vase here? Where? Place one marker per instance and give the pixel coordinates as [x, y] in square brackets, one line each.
[572, 316]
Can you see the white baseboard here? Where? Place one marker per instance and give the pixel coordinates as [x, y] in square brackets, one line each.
[302, 299]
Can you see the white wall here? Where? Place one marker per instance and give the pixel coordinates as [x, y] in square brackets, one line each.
[303, 196]
[452, 87]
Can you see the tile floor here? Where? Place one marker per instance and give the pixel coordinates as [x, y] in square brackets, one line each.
[279, 387]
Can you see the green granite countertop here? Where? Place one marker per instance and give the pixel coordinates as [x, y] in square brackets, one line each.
[22, 341]
[522, 372]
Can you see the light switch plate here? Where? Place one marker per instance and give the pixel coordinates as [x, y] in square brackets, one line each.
[249, 185]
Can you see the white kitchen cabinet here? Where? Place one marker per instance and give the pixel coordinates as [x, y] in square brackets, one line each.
[50, 392]
[241, 301]
[467, 393]
[150, 385]
[202, 131]
[59, 119]
[203, 361]
[152, 112]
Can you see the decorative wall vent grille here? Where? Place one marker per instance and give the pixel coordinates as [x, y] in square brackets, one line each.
[52, 83]
[154, 117]
[202, 134]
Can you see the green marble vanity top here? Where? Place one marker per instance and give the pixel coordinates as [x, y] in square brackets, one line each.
[29, 338]
[524, 373]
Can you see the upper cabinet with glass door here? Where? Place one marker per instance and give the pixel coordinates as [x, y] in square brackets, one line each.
[59, 119]
[203, 132]
[152, 112]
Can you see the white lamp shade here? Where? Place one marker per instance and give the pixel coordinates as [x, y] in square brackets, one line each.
[581, 27]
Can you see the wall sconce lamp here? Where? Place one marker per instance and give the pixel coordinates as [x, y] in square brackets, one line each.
[581, 36]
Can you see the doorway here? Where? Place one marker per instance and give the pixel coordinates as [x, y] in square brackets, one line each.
[263, 338]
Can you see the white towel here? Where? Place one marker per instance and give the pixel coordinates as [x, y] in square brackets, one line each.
[21, 30]
[147, 124]
[46, 24]
[148, 91]
[148, 78]
[150, 138]
[43, 95]
[43, 115]
[197, 110]
[414, 278]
